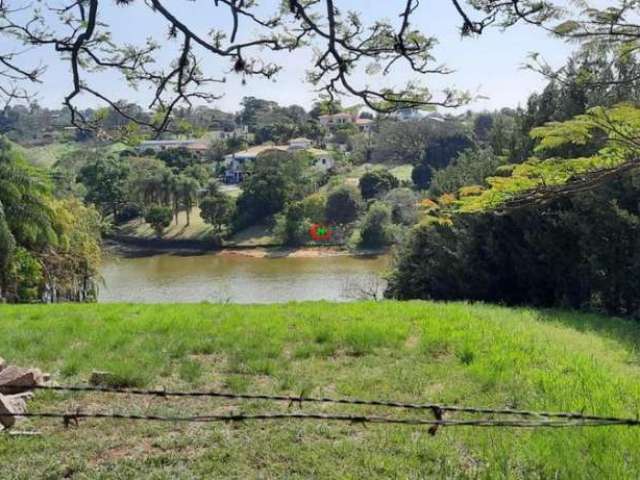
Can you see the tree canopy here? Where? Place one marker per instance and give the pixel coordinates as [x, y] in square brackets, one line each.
[49, 248]
[615, 131]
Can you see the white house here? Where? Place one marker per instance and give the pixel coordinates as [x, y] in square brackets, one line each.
[336, 119]
[221, 134]
[300, 144]
[237, 163]
[322, 159]
[407, 114]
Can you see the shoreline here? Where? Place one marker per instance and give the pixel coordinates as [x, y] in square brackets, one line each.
[143, 246]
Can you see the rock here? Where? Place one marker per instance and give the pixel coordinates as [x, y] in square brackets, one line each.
[3, 364]
[11, 407]
[101, 379]
[16, 380]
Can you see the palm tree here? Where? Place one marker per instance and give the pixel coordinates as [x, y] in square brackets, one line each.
[187, 191]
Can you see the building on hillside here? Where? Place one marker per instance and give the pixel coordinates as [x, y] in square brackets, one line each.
[322, 159]
[224, 134]
[336, 119]
[237, 163]
[196, 146]
[365, 125]
[300, 144]
[407, 114]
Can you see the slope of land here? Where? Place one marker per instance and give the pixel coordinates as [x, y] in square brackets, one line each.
[259, 235]
[416, 351]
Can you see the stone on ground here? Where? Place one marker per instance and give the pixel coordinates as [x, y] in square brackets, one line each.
[17, 380]
[11, 407]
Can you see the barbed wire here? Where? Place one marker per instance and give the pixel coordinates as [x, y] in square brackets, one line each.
[436, 408]
[73, 418]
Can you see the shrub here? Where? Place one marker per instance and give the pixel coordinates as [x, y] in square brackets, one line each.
[403, 206]
[129, 212]
[376, 183]
[343, 205]
[313, 207]
[26, 274]
[421, 176]
[159, 218]
[375, 230]
[291, 227]
[216, 209]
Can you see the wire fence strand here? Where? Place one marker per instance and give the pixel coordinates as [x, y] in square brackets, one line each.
[437, 407]
[71, 418]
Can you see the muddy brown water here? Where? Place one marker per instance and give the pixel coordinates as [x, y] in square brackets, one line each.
[190, 277]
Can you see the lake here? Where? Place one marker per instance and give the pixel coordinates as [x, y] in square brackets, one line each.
[189, 278]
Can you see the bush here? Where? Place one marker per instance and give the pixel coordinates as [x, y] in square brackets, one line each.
[343, 205]
[376, 226]
[376, 183]
[313, 207]
[159, 218]
[403, 206]
[129, 212]
[421, 176]
[25, 273]
[291, 227]
[216, 209]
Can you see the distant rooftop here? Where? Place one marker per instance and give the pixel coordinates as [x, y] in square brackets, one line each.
[170, 142]
[258, 149]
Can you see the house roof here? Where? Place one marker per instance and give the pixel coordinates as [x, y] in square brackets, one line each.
[258, 149]
[169, 142]
[300, 139]
[334, 115]
[316, 152]
[198, 146]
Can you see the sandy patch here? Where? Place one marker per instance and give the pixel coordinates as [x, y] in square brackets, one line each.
[315, 252]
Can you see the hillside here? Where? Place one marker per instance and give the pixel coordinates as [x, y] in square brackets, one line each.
[255, 235]
[449, 353]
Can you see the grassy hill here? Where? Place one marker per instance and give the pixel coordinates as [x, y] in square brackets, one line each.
[254, 236]
[416, 351]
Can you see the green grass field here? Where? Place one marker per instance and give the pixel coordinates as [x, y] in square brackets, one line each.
[254, 236]
[450, 353]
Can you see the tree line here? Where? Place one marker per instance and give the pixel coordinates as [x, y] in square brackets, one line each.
[554, 222]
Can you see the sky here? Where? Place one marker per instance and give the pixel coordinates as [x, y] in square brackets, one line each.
[488, 66]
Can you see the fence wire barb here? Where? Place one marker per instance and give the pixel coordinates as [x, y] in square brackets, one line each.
[73, 418]
[437, 409]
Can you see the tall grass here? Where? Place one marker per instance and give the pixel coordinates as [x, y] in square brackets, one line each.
[451, 353]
